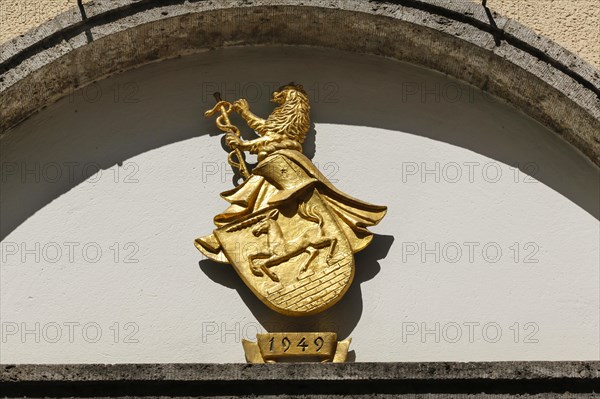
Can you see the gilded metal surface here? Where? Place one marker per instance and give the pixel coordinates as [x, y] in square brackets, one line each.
[224, 125]
[314, 346]
[288, 232]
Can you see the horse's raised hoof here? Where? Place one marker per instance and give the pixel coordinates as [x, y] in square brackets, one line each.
[256, 271]
[272, 275]
[303, 274]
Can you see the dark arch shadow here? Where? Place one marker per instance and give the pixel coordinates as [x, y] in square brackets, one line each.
[156, 105]
[341, 318]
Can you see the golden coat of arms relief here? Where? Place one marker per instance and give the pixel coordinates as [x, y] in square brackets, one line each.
[288, 232]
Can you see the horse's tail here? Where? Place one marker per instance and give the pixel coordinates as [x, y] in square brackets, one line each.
[310, 213]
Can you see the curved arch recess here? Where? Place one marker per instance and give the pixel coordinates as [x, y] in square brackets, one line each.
[461, 39]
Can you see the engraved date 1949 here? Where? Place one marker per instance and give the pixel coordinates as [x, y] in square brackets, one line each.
[303, 344]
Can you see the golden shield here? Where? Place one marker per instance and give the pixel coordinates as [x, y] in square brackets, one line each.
[293, 256]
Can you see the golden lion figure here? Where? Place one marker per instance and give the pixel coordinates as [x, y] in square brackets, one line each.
[284, 177]
[284, 129]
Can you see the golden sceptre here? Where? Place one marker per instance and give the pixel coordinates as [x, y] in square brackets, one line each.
[225, 125]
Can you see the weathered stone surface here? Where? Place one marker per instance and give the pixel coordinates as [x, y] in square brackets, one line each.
[460, 39]
[489, 379]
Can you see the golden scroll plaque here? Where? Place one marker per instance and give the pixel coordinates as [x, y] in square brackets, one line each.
[316, 346]
[298, 232]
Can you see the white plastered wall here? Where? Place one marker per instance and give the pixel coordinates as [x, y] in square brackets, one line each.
[489, 250]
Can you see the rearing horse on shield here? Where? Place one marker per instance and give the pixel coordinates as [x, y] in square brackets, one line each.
[279, 250]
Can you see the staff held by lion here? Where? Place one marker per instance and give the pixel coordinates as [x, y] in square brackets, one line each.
[285, 128]
[225, 125]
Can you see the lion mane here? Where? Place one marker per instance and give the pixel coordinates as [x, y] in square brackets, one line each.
[285, 128]
[291, 119]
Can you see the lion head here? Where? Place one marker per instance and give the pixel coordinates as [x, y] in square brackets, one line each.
[291, 118]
